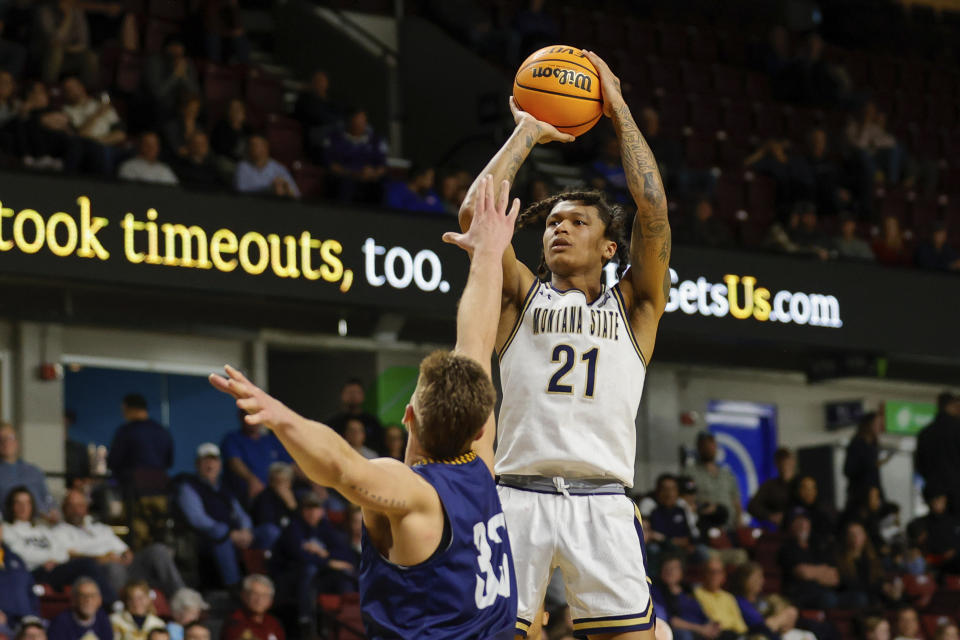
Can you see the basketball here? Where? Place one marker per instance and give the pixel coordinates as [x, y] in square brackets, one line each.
[560, 86]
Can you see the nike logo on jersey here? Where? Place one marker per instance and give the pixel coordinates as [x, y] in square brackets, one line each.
[599, 323]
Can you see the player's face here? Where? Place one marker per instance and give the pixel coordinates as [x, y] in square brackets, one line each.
[574, 240]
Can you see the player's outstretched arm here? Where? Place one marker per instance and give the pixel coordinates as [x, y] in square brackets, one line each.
[503, 167]
[650, 242]
[479, 312]
[383, 485]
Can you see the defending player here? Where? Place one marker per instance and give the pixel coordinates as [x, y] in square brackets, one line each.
[436, 560]
[573, 357]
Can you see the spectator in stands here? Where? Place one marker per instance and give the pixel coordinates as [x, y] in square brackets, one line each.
[357, 159]
[85, 538]
[64, 40]
[178, 131]
[704, 229]
[13, 55]
[890, 248]
[947, 631]
[453, 190]
[249, 452]
[938, 449]
[395, 442]
[312, 557]
[717, 490]
[44, 138]
[806, 500]
[140, 443]
[606, 173]
[168, 77]
[31, 628]
[908, 625]
[317, 113]
[230, 135]
[685, 615]
[186, 607]
[746, 584]
[862, 464]
[876, 628]
[535, 27]
[669, 153]
[810, 580]
[9, 109]
[225, 38]
[85, 620]
[252, 620]
[415, 193]
[938, 533]
[16, 472]
[719, 605]
[773, 159]
[876, 516]
[807, 236]
[772, 499]
[818, 81]
[199, 168]
[275, 506]
[17, 599]
[667, 528]
[138, 617]
[95, 123]
[214, 513]
[848, 245]
[195, 631]
[44, 553]
[936, 253]
[819, 175]
[861, 576]
[260, 173]
[355, 524]
[352, 397]
[146, 166]
[878, 153]
[158, 634]
[356, 434]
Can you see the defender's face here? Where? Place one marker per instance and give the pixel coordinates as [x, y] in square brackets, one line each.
[574, 240]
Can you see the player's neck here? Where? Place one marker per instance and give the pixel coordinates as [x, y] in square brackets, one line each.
[589, 284]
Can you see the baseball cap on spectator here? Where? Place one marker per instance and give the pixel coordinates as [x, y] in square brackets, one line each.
[208, 450]
[29, 621]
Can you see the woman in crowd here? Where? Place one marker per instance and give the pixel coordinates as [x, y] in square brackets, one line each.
[861, 576]
[395, 441]
[746, 584]
[138, 617]
[276, 505]
[890, 248]
[876, 628]
[863, 461]
[186, 607]
[177, 132]
[685, 615]
[806, 500]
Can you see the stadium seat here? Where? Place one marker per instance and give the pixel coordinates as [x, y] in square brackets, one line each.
[310, 179]
[173, 10]
[160, 604]
[728, 81]
[129, 70]
[919, 588]
[696, 78]
[729, 199]
[842, 621]
[757, 86]
[220, 85]
[285, 138]
[263, 94]
[256, 561]
[663, 74]
[761, 198]
[700, 150]
[52, 603]
[768, 120]
[156, 34]
[672, 40]
[931, 622]
[703, 45]
[951, 582]
[704, 114]
[813, 614]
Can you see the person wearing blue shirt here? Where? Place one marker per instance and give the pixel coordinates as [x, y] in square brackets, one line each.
[14, 472]
[416, 194]
[215, 514]
[260, 173]
[84, 619]
[685, 615]
[140, 443]
[17, 599]
[248, 453]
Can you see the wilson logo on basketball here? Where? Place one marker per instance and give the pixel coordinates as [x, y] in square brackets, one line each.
[579, 80]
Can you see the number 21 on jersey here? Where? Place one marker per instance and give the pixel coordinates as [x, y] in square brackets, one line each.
[566, 356]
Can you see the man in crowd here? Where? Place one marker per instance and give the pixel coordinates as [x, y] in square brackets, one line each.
[31, 628]
[415, 193]
[95, 123]
[211, 510]
[667, 525]
[717, 489]
[249, 451]
[357, 159]
[352, 396]
[252, 619]
[355, 434]
[937, 458]
[84, 537]
[198, 168]
[168, 76]
[17, 600]
[771, 500]
[196, 631]
[15, 472]
[84, 620]
[317, 113]
[848, 245]
[139, 443]
[146, 166]
[65, 41]
[810, 580]
[260, 173]
[937, 534]
[704, 229]
[719, 605]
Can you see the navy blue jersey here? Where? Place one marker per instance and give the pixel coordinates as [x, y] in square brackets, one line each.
[467, 589]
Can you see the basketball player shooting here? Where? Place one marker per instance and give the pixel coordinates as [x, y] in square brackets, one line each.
[573, 357]
[435, 560]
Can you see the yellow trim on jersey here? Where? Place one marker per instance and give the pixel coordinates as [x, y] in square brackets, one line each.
[523, 310]
[469, 456]
[523, 626]
[626, 622]
[626, 318]
[636, 511]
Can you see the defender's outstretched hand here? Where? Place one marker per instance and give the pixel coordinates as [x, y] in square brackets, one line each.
[492, 227]
[545, 132]
[261, 407]
[609, 83]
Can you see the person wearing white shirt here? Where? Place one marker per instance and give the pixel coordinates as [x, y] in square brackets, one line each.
[95, 123]
[43, 551]
[83, 537]
[146, 165]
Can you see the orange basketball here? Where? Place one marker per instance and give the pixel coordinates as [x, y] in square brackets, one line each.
[559, 85]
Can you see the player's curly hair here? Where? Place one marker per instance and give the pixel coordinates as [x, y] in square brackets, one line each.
[614, 217]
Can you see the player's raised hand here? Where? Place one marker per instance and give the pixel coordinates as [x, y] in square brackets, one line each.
[492, 227]
[545, 132]
[261, 407]
[609, 83]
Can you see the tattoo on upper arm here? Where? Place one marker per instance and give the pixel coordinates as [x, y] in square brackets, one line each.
[389, 503]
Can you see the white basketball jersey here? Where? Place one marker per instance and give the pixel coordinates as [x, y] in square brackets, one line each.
[572, 376]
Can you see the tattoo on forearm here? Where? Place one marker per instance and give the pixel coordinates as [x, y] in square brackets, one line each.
[506, 164]
[380, 500]
[643, 175]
